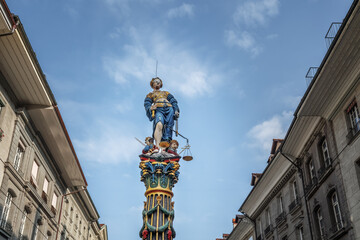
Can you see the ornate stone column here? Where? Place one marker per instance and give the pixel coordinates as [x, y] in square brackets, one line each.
[159, 176]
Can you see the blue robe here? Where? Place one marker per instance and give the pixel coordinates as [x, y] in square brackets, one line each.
[163, 114]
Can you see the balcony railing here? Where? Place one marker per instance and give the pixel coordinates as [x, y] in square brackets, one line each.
[280, 218]
[337, 227]
[324, 169]
[330, 35]
[53, 209]
[294, 204]
[310, 74]
[6, 226]
[354, 131]
[310, 186]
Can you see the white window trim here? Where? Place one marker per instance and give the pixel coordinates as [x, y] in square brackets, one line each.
[23, 223]
[354, 118]
[281, 204]
[54, 200]
[268, 217]
[6, 209]
[301, 233]
[336, 206]
[320, 222]
[295, 191]
[34, 172]
[47, 186]
[325, 152]
[20, 150]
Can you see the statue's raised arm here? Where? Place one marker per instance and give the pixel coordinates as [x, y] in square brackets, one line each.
[162, 108]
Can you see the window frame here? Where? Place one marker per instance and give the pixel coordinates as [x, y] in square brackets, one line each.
[6, 209]
[320, 222]
[37, 170]
[325, 152]
[353, 116]
[19, 155]
[336, 210]
[268, 217]
[301, 233]
[47, 187]
[22, 224]
[55, 196]
[311, 170]
[2, 105]
[281, 204]
[295, 190]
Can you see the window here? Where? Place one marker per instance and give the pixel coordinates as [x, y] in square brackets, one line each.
[320, 222]
[35, 232]
[6, 210]
[325, 153]
[311, 170]
[353, 114]
[295, 191]
[336, 211]
[18, 157]
[1, 105]
[22, 224]
[54, 201]
[45, 186]
[34, 170]
[268, 217]
[301, 233]
[281, 204]
[260, 227]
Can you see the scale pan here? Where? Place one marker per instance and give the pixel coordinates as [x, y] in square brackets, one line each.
[187, 158]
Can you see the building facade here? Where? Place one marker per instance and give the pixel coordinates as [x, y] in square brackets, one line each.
[43, 191]
[310, 188]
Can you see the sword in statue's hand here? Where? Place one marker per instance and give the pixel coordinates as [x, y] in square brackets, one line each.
[140, 141]
[176, 123]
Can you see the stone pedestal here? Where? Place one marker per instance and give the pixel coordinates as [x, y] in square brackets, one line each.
[159, 176]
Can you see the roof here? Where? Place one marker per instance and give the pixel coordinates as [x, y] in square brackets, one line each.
[30, 90]
[324, 96]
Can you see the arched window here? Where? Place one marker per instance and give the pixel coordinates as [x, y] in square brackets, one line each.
[320, 222]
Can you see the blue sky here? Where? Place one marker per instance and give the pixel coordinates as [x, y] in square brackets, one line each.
[236, 67]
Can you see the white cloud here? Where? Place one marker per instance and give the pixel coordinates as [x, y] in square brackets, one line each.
[254, 13]
[108, 142]
[124, 106]
[262, 134]
[124, 6]
[272, 36]
[71, 11]
[245, 41]
[184, 10]
[178, 67]
[136, 209]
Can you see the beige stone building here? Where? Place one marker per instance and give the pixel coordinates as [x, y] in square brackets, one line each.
[43, 191]
[310, 188]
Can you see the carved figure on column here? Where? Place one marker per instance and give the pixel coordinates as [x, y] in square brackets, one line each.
[162, 109]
